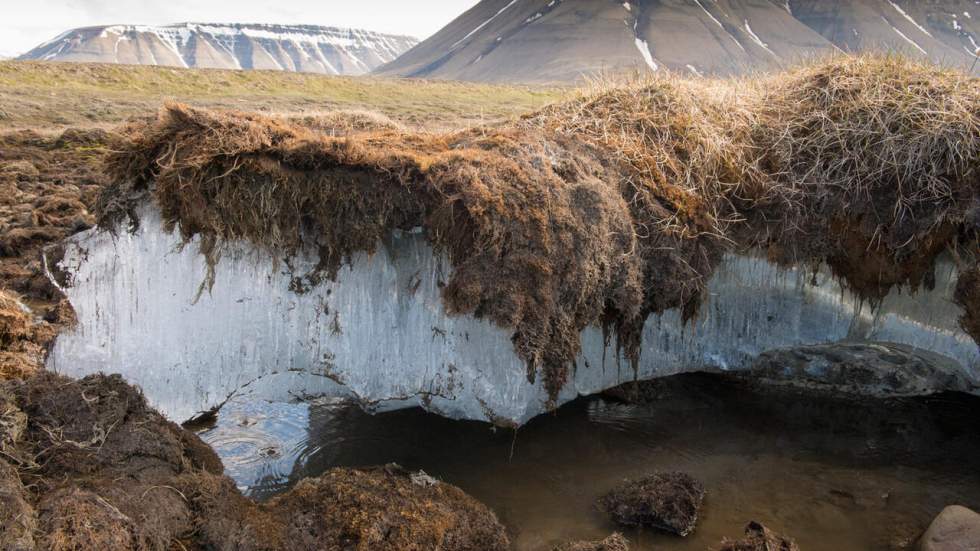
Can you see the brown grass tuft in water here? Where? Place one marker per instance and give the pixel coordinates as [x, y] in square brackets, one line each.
[603, 209]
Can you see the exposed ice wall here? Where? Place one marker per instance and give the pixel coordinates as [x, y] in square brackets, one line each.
[379, 333]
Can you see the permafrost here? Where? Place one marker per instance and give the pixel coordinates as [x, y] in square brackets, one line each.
[380, 334]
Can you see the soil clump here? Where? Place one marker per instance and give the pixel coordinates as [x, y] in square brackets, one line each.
[668, 501]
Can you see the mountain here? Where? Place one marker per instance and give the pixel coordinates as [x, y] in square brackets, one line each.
[946, 32]
[561, 40]
[303, 48]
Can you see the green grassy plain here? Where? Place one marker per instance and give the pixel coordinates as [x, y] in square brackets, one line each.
[52, 96]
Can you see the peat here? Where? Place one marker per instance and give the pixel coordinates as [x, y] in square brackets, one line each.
[669, 501]
[88, 465]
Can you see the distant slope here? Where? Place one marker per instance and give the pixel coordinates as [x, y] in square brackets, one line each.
[946, 32]
[303, 48]
[40, 95]
[561, 40]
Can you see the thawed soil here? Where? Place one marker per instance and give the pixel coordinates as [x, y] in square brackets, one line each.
[48, 188]
[88, 465]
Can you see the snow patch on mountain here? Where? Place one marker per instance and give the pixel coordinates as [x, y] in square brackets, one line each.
[304, 48]
[906, 38]
[909, 17]
[644, 48]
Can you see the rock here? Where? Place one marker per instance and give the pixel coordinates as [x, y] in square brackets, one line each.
[867, 369]
[955, 529]
[615, 542]
[669, 501]
[422, 479]
[759, 538]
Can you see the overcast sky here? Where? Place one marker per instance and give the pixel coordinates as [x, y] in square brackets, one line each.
[27, 23]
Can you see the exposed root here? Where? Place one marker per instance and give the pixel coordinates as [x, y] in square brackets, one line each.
[603, 209]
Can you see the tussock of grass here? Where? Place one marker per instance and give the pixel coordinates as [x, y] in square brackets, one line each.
[605, 208]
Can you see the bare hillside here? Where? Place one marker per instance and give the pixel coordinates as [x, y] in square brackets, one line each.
[562, 40]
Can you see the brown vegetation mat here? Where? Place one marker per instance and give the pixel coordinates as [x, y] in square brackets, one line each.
[88, 465]
[606, 208]
[48, 187]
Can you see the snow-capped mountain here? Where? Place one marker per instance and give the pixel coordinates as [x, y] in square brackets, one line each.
[561, 40]
[304, 48]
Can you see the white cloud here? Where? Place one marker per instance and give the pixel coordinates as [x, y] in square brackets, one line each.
[25, 24]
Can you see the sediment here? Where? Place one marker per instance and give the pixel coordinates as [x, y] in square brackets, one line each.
[604, 209]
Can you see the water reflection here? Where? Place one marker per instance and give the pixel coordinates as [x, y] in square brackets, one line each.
[834, 474]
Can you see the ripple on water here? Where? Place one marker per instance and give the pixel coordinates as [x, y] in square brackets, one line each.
[259, 442]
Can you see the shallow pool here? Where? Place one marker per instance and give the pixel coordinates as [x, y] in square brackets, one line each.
[834, 474]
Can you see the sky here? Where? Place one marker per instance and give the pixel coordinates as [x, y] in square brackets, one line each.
[27, 23]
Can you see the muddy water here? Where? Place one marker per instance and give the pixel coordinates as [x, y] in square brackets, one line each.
[836, 475]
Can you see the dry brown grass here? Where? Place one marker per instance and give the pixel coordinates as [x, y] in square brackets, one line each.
[608, 207]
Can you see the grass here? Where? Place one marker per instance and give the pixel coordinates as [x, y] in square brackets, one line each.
[53, 95]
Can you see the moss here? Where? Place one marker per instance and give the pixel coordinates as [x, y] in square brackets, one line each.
[23, 341]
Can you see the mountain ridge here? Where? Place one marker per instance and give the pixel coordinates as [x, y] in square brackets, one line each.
[300, 48]
[556, 40]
